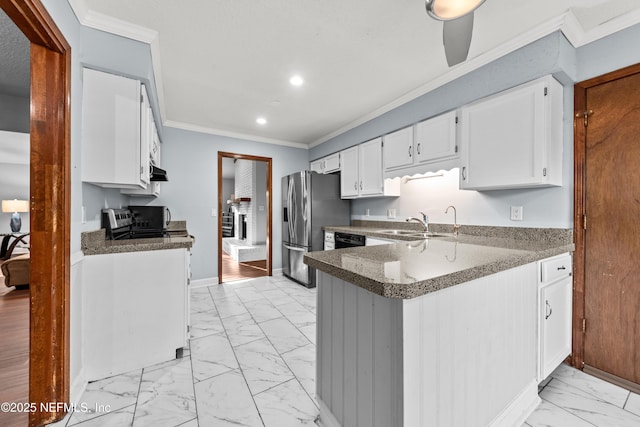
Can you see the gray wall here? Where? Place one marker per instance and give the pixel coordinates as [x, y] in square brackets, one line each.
[191, 160]
[14, 113]
[551, 207]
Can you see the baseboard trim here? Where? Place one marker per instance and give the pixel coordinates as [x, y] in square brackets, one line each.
[201, 283]
[520, 408]
[78, 387]
[613, 379]
[326, 417]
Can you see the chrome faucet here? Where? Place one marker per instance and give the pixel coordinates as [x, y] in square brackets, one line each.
[455, 220]
[424, 221]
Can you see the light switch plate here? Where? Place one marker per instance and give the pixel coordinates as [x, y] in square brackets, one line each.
[391, 213]
[517, 213]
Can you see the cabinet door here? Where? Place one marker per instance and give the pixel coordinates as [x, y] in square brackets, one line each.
[317, 166]
[349, 173]
[146, 136]
[436, 138]
[555, 318]
[398, 148]
[505, 138]
[370, 167]
[332, 163]
[111, 130]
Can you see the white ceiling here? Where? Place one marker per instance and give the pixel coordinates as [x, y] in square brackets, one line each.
[220, 64]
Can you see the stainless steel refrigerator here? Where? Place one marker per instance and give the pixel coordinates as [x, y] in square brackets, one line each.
[310, 201]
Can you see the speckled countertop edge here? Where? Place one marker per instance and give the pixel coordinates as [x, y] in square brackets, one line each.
[529, 245]
[94, 242]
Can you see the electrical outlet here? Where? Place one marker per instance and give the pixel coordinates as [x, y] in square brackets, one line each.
[517, 213]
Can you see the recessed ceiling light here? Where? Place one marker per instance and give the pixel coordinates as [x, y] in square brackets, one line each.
[296, 80]
[261, 121]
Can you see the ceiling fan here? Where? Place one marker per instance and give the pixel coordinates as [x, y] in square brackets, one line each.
[457, 17]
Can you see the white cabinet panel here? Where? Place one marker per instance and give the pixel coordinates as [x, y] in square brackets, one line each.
[317, 166]
[370, 168]
[112, 109]
[436, 138]
[554, 308]
[135, 306]
[398, 148]
[327, 164]
[349, 175]
[513, 139]
[361, 173]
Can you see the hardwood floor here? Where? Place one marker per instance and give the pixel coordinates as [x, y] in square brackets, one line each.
[14, 353]
[232, 270]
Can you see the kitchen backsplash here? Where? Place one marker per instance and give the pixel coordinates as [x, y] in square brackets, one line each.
[542, 207]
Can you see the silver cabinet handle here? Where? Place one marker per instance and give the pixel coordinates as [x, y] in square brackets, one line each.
[562, 268]
[464, 173]
[361, 185]
[418, 149]
[409, 151]
[549, 310]
[355, 185]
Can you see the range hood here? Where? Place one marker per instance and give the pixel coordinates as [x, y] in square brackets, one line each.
[158, 174]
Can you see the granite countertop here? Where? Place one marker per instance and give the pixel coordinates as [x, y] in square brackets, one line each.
[94, 242]
[408, 269]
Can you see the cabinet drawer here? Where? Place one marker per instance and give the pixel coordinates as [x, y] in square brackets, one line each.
[555, 268]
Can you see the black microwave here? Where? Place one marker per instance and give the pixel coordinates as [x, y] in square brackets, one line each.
[155, 218]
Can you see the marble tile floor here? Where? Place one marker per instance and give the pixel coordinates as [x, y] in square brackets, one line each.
[251, 362]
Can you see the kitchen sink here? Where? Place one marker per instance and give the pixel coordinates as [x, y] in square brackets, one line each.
[397, 232]
[412, 233]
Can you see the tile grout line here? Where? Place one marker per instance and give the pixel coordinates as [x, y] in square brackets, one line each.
[236, 357]
[568, 412]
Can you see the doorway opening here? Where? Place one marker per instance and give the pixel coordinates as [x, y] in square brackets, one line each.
[244, 217]
[606, 328]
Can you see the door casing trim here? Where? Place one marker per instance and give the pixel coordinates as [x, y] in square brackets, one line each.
[268, 160]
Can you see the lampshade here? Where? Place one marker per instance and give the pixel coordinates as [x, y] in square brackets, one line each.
[445, 10]
[15, 205]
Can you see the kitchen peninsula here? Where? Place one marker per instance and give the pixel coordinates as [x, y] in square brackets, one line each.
[136, 295]
[444, 331]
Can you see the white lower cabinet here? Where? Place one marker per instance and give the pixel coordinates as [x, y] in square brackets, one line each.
[135, 310]
[554, 313]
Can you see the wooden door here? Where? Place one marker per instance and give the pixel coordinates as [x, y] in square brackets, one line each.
[612, 235]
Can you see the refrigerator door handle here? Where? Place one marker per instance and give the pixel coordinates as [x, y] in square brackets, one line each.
[295, 249]
[290, 207]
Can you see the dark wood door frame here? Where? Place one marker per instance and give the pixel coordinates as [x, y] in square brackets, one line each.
[50, 213]
[579, 159]
[268, 160]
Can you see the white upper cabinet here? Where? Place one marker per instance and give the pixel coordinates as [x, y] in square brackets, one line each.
[349, 176]
[115, 131]
[327, 164]
[513, 139]
[435, 139]
[361, 173]
[426, 142]
[398, 148]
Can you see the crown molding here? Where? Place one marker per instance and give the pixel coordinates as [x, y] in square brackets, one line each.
[236, 135]
[568, 24]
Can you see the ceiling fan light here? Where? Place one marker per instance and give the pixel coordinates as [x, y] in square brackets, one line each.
[445, 10]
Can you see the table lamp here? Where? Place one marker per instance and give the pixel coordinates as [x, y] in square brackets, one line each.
[15, 206]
